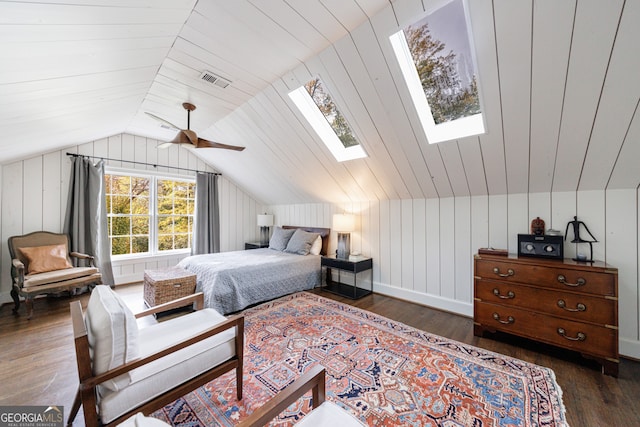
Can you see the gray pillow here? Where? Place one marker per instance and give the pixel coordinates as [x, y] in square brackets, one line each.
[280, 238]
[301, 241]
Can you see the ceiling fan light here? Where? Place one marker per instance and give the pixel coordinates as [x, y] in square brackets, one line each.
[165, 145]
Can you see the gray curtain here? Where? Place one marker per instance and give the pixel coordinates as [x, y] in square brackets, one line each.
[86, 218]
[206, 229]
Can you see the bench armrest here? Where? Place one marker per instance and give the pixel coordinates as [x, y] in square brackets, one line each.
[313, 379]
[197, 298]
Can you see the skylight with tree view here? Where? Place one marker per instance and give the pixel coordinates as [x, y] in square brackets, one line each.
[316, 104]
[436, 60]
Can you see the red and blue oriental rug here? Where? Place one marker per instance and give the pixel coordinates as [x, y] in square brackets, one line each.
[382, 371]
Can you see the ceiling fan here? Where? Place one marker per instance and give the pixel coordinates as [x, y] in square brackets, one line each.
[187, 136]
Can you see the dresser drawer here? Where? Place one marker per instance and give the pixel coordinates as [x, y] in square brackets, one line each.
[582, 337]
[597, 283]
[570, 305]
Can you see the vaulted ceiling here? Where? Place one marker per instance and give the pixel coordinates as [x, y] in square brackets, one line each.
[558, 80]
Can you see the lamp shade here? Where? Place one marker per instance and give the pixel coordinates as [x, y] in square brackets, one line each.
[344, 222]
[265, 220]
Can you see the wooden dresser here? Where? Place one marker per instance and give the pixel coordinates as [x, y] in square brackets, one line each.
[564, 303]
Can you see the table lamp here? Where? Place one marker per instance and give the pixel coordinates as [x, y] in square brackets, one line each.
[344, 224]
[264, 222]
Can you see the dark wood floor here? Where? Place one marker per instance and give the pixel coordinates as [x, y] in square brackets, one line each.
[37, 363]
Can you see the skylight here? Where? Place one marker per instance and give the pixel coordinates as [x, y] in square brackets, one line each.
[317, 106]
[436, 60]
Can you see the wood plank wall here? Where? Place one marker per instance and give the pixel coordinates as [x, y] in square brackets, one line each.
[422, 248]
[34, 197]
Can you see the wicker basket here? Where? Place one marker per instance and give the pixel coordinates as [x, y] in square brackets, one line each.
[168, 284]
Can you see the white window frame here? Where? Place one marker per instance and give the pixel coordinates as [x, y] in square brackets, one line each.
[321, 126]
[435, 133]
[153, 210]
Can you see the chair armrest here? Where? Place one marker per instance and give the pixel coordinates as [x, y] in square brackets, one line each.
[79, 255]
[197, 298]
[237, 323]
[18, 267]
[313, 379]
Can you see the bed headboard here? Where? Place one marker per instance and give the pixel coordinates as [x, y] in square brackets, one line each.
[324, 233]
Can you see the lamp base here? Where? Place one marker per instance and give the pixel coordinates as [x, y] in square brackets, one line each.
[264, 235]
[344, 245]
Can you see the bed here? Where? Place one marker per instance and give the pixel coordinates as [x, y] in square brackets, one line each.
[232, 281]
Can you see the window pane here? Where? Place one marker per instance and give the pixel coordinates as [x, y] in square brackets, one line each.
[120, 226]
[165, 188]
[121, 204]
[140, 225]
[165, 205]
[140, 244]
[329, 110]
[440, 48]
[139, 186]
[181, 241]
[121, 184]
[165, 225]
[120, 245]
[140, 205]
[165, 242]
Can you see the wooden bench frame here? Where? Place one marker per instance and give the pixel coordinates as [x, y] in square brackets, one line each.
[87, 396]
[313, 379]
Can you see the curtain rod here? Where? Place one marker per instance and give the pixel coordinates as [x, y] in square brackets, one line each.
[141, 163]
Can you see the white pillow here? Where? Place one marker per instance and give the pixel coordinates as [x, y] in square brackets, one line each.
[316, 247]
[113, 334]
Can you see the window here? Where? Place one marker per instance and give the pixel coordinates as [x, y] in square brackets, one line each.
[149, 214]
[316, 104]
[436, 60]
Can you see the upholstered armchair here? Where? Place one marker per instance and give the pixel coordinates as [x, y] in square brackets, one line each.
[124, 370]
[324, 412]
[41, 264]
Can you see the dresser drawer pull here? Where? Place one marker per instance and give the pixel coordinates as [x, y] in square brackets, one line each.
[579, 307]
[509, 320]
[581, 336]
[510, 272]
[510, 294]
[563, 280]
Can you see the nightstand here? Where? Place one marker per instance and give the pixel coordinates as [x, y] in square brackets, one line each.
[255, 245]
[351, 268]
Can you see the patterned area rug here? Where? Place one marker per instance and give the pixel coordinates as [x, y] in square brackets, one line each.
[384, 372]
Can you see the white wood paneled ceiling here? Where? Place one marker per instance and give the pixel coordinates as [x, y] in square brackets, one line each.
[558, 81]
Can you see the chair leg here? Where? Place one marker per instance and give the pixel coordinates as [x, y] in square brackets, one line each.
[239, 380]
[16, 300]
[28, 301]
[74, 409]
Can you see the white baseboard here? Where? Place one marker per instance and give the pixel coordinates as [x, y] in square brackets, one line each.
[629, 348]
[457, 307]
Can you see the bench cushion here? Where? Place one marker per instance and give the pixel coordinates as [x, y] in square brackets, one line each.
[170, 371]
[112, 332]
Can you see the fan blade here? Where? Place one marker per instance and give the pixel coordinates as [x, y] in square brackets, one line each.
[186, 136]
[161, 120]
[203, 143]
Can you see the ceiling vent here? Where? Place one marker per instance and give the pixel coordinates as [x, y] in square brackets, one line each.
[215, 79]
